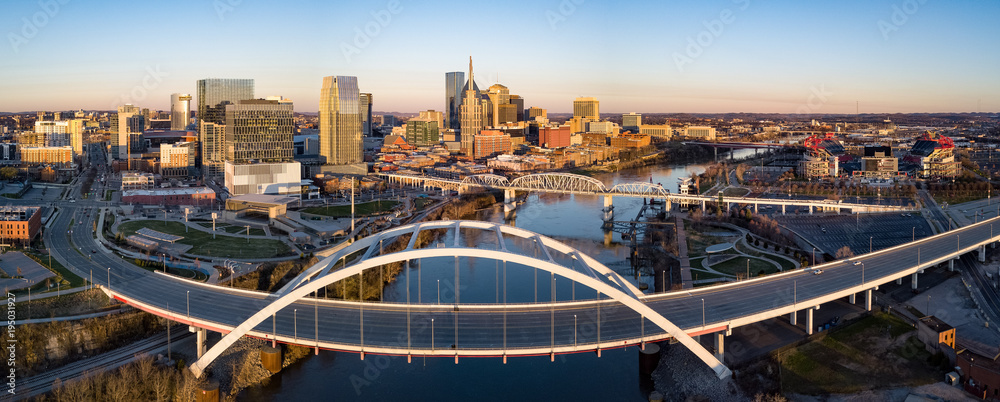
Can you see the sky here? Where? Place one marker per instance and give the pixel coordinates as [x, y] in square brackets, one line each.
[713, 56]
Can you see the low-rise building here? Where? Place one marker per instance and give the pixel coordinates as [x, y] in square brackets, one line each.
[19, 224]
[47, 155]
[197, 196]
[282, 178]
[630, 141]
[137, 181]
[519, 163]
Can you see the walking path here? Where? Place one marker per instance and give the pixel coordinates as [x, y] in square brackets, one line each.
[682, 253]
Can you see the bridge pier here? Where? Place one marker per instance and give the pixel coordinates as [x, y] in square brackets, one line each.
[720, 351]
[810, 210]
[782, 209]
[202, 335]
[702, 207]
[755, 208]
[899, 281]
[793, 317]
[809, 321]
[982, 253]
[913, 285]
[667, 205]
[270, 358]
[609, 209]
[951, 265]
[868, 300]
[509, 204]
[852, 299]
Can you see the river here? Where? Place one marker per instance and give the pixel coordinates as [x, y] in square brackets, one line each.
[574, 220]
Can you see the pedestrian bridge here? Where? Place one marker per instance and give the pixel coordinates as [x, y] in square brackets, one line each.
[568, 183]
[617, 315]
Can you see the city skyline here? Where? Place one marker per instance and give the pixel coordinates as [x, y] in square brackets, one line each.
[727, 56]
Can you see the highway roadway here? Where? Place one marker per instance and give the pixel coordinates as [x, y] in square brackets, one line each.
[493, 330]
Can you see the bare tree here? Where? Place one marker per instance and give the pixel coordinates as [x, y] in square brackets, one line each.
[844, 252]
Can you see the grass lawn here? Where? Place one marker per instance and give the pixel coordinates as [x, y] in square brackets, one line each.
[108, 194]
[941, 198]
[879, 351]
[221, 246]
[785, 264]
[59, 269]
[421, 203]
[341, 211]
[739, 265]
[735, 192]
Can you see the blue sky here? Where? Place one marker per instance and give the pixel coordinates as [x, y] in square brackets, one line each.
[753, 56]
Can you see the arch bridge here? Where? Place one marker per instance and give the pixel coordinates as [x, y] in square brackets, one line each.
[463, 329]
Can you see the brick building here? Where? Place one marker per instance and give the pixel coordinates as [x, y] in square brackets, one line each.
[201, 196]
[19, 225]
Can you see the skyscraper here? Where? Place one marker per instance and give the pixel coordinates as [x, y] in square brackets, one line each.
[259, 130]
[588, 108]
[180, 111]
[212, 137]
[518, 103]
[499, 95]
[453, 83]
[632, 122]
[471, 114]
[215, 93]
[127, 122]
[340, 129]
[366, 114]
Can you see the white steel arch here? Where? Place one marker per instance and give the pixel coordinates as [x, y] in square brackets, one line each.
[486, 180]
[559, 182]
[642, 188]
[303, 289]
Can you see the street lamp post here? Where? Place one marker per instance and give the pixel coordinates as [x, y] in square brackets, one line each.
[439, 290]
[295, 324]
[109, 278]
[189, 305]
[870, 243]
[702, 313]
[814, 256]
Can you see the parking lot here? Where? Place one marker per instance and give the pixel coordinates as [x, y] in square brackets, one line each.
[30, 270]
[831, 232]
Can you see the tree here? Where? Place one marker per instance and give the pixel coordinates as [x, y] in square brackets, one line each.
[844, 252]
[8, 172]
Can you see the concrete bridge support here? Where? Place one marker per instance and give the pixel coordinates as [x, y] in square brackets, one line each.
[782, 209]
[982, 253]
[509, 204]
[202, 335]
[609, 209]
[755, 208]
[913, 285]
[667, 205]
[868, 300]
[852, 298]
[702, 207]
[899, 281]
[809, 321]
[810, 210]
[951, 265]
[793, 317]
[720, 346]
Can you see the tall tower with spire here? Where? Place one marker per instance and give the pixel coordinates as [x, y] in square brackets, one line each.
[471, 114]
